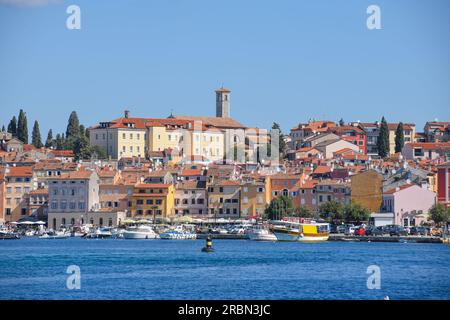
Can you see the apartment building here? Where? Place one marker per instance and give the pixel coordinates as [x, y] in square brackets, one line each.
[18, 183]
[253, 198]
[224, 198]
[153, 199]
[191, 198]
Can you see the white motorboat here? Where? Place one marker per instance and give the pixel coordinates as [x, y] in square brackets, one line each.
[260, 233]
[178, 233]
[101, 233]
[55, 235]
[140, 232]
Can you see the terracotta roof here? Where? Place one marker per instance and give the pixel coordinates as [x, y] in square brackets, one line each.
[62, 153]
[20, 172]
[74, 175]
[217, 122]
[41, 191]
[322, 169]
[355, 156]
[191, 172]
[429, 145]
[406, 126]
[344, 151]
[153, 185]
[394, 190]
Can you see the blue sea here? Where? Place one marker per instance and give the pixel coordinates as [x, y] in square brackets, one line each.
[238, 269]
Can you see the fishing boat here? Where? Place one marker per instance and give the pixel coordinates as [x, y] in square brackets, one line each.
[140, 232]
[261, 233]
[301, 231]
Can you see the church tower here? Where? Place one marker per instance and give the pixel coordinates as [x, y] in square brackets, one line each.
[223, 103]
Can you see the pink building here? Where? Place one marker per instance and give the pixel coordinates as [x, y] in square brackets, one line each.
[443, 181]
[409, 203]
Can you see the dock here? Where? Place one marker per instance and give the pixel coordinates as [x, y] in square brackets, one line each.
[410, 239]
[228, 236]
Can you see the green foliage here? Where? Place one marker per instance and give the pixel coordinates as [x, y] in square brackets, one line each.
[399, 138]
[304, 212]
[59, 141]
[331, 210]
[341, 122]
[49, 142]
[383, 139]
[36, 136]
[81, 148]
[3, 128]
[439, 214]
[22, 127]
[278, 208]
[354, 212]
[12, 126]
[99, 152]
[73, 127]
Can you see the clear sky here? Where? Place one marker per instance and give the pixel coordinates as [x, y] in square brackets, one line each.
[284, 60]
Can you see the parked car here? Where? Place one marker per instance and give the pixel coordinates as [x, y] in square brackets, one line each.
[374, 231]
[418, 231]
[360, 231]
[398, 231]
[436, 232]
[350, 230]
[390, 227]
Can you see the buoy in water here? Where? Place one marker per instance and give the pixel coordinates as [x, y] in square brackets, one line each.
[208, 247]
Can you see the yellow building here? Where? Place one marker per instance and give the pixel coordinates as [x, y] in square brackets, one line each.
[253, 198]
[18, 183]
[122, 137]
[154, 199]
[224, 199]
[409, 133]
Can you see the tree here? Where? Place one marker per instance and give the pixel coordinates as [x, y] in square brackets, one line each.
[439, 214]
[3, 128]
[383, 139]
[49, 141]
[36, 135]
[99, 151]
[81, 148]
[331, 210]
[22, 127]
[399, 138]
[12, 126]
[354, 212]
[72, 131]
[304, 212]
[59, 141]
[341, 122]
[279, 208]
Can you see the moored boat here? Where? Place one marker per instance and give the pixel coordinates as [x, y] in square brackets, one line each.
[261, 233]
[178, 233]
[301, 231]
[55, 235]
[140, 232]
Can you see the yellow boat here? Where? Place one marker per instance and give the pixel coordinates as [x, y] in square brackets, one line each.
[301, 231]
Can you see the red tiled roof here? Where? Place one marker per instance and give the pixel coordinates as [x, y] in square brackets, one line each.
[20, 172]
[394, 190]
[191, 172]
[322, 170]
[75, 175]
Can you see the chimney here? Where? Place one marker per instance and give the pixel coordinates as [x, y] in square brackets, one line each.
[126, 114]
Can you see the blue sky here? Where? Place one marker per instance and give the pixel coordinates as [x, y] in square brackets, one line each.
[285, 61]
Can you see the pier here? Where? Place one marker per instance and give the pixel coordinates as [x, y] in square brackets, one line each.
[416, 239]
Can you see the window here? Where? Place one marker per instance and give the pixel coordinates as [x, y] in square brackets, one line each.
[140, 201]
[149, 201]
[54, 205]
[158, 201]
[245, 200]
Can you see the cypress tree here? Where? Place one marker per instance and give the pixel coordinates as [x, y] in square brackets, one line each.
[383, 139]
[399, 138]
[59, 142]
[12, 127]
[73, 127]
[81, 148]
[341, 122]
[36, 135]
[3, 128]
[22, 127]
[49, 141]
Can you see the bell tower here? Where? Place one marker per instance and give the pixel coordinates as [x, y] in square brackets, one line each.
[223, 103]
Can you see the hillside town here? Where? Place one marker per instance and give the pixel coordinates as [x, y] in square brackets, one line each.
[211, 168]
